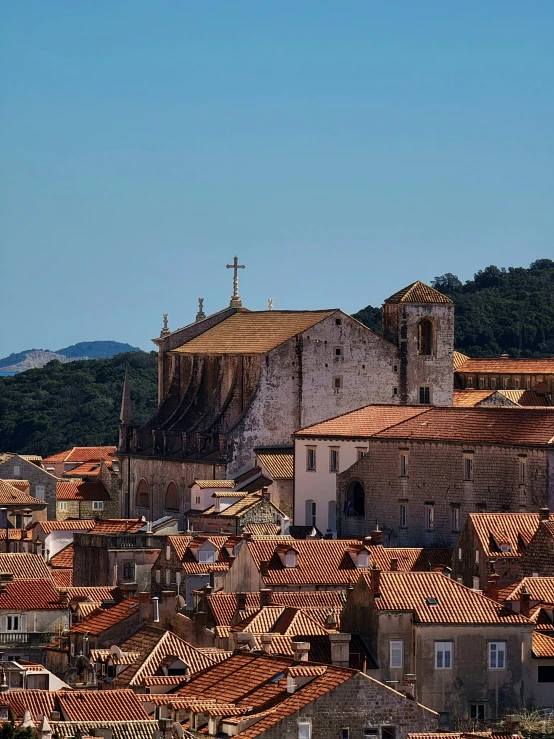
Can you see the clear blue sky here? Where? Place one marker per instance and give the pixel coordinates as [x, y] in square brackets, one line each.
[341, 149]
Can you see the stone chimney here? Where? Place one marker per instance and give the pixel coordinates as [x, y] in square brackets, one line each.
[524, 598]
[241, 601]
[244, 641]
[264, 568]
[301, 650]
[544, 513]
[265, 493]
[375, 577]
[266, 643]
[513, 721]
[492, 586]
[44, 730]
[394, 564]
[377, 534]
[63, 597]
[266, 596]
[340, 649]
[168, 604]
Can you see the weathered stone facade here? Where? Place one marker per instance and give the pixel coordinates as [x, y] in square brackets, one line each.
[43, 484]
[435, 480]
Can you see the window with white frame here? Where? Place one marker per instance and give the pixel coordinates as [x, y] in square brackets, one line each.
[403, 521]
[16, 470]
[396, 653]
[97, 505]
[522, 471]
[443, 655]
[468, 467]
[206, 556]
[304, 730]
[345, 733]
[129, 571]
[310, 459]
[497, 655]
[476, 583]
[13, 623]
[62, 505]
[477, 711]
[403, 464]
[429, 516]
[506, 383]
[40, 492]
[333, 460]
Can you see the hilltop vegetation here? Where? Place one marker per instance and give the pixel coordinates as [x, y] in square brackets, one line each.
[33, 358]
[43, 411]
[501, 310]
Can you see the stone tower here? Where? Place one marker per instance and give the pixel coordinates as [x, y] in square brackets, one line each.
[420, 321]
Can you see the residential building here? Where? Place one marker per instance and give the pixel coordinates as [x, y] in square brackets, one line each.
[42, 483]
[514, 398]
[69, 460]
[50, 537]
[78, 499]
[457, 651]
[232, 512]
[21, 508]
[506, 373]
[538, 557]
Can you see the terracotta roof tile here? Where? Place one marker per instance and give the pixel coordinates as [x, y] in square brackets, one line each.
[418, 292]
[81, 454]
[104, 619]
[216, 484]
[363, 422]
[117, 525]
[77, 490]
[455, 603]
[525, 398]
[223, 605]
[63, 558]
[144, 729]
[541, 589]
[111, 705]
[16, 534]
[11, 495]
[97, 594]
[280, 465]
[459, 359]
[263, 529]
[252, 332]
[509, 366]
[471, 398]
[63, 578]
[30, 595]
[69, 524]
[38, 702]
[494, 529]
[84, 470]
[543, 644]
[25, 566]
[23, 485]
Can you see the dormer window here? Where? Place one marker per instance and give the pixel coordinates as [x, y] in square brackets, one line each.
[362, 559]
[290, 558]
[506, 547]
[206, 556]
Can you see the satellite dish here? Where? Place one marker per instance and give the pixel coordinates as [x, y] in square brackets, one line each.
[115, 651]
[178, 730]
[180, 604]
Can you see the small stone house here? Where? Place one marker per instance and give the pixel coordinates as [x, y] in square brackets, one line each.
[450, 647]
[21, 508]
[78, 499]
[42, 483]
[232, 512]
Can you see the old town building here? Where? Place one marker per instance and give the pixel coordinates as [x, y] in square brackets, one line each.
[506, 373]
[42, 483]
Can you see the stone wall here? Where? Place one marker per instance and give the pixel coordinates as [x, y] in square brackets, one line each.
[36, 476]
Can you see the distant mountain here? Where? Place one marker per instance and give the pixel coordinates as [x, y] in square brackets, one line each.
[36, 358]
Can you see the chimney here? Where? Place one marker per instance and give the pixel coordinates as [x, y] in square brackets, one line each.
[375, 575]
[285, 526]
[377, 534]
[44, 730]
[544, 513]
[492, 586]
[394, 564]
[513, 721]
[266, 595]
[27, 722]
[247, 535]
[524, 598]
[265, 493]
[301, 650]
[241, 601]
[340, 649]
[264, 568]
[168, 603]
[409, 685]
[63, 597]
[244, 641]
[266, 643]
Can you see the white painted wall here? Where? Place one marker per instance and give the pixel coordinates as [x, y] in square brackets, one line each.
[320, 486]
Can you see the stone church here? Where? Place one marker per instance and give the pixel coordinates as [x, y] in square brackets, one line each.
[240, 380]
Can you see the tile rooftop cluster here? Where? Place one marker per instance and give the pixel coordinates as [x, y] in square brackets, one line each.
[81, 454]
[78, 490]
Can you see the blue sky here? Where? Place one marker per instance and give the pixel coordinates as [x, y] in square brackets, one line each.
[341, 149]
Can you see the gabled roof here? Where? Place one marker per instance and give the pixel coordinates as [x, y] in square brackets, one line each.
[279, 464]
[508, 366]
[246, 503]
[111, 705]
[63, 578]
[418, 292]
[24, 566]
[434, 598]
[252, 332]
[104, 619]
[144, 729]
[543, 644]
[364, 422]
[181, 545]
[216, 484]
[97, 594]
[494, 529]
[11, 495]
[541, 589]
[30, 595]
[282, 620]
[63, 558]
[458, 359]
[81, 454]
[77, 490]
[84, 470]
[70, 524]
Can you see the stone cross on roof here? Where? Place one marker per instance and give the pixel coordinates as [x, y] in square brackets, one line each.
[236, 302]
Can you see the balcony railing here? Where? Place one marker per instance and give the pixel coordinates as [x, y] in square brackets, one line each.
[25, 638]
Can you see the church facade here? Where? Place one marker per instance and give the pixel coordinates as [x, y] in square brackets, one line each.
[239, 380]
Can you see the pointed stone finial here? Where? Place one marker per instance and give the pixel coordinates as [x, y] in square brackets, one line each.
[270, 303]
[27, 722]
[126, 415]
[236, 302]
[200, 315]
[165, 331]
[44, 729]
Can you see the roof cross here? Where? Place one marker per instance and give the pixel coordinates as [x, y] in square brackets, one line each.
[236, 302]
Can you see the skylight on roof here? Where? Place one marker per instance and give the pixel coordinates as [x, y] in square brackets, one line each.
[431, 601]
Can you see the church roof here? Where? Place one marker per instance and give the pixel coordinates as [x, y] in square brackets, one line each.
[418, 292]
[252, 332]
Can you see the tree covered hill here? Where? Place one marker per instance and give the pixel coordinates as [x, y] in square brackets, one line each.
[500, 310]
[43, 411]
[33, 358]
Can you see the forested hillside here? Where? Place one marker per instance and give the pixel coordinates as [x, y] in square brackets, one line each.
[501, 310]
[43, 411]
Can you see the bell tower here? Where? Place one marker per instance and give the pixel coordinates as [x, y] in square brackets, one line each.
[420, 321]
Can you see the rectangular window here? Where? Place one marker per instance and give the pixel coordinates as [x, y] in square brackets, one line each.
[62, 505]
[424, 395]
[395, 368]
[481, 383]
[477, 711]
[168, 577]
[476, 584]
[197, 500]
[97, 505]
[40, 492]
[12, 623]
[516, 384]
[16, 470]
[337, 383]
[497, 655]
[546, 674]
[206, 556]
[522, 471]
[468, 468]
[396, 652]
[455, 519]
[304, 730]
[338, 321]
[338, 351]
[403, 465]
[506, 383]
[388, 732]
[310, 460]
[310, 513]
[443, 655]
[476, 556]
[361, 453]
[469, 382]
[129, 571]
[459, 554]
[403, 516]
[158, 575]
[333, 460]
[493, 383]
[528, 383]
[345, 733]
[395, 391]
[429, 517]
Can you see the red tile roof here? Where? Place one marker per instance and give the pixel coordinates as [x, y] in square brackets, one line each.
[182, 546]
[280, 620]
[117, 525]
[104, 619]
[24, 566]
[543, 644]
[459, 359]
[82, 454]
[38, 702]
[76, 490]
[84, 470]
[364, 422]
[508, 366]
[215, 484]
[471, 398]
[63, 578]
[110, 705]
[19, 484]
[69, 524]
[494, 529]
[541, 589]
[97, 594]
[418, 292]
[11, 495]
[455, 603]
[16, 534]
[64, 558]
[30, 595]
[280, 465]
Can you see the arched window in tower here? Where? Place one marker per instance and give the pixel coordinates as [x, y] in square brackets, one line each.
[426, 337]
[143, 494]
[172, 497]
[354, 504]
